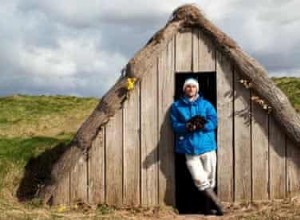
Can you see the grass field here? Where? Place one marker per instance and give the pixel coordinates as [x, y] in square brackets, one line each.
[30, 125]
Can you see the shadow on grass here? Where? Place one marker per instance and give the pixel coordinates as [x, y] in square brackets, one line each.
[38, 171]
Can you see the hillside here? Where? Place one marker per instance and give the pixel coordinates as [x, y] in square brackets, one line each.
[23, 116]
[31, 125]
[291, 87]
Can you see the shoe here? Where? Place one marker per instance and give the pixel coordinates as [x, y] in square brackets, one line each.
[208, 209]
[214, 200]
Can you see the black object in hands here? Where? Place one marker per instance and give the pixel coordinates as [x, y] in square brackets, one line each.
[190, 126]
[196, 122]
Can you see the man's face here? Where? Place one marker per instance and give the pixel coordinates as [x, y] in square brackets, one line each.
[190, 90]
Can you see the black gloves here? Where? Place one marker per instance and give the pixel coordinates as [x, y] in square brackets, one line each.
[196, 122]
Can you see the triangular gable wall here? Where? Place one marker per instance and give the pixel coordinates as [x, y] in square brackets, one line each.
[248, 154]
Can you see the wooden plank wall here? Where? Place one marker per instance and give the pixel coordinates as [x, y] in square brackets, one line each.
[293, 168]
[131, 161]
[62, 195]
[260, 152]
[96, 169]
[166, 79]
[242, 141]
[131, 149]
[114, 160]
[225, 128]
[183, 52]
[149, 138]
[78, 180]
[277, 161]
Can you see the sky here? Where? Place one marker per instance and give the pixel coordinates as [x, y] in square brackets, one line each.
[75, 47]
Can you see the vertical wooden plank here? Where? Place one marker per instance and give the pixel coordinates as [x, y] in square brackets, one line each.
[260, 178]
[78, 180]
[184, 53]
[131, 126]
[195, 43]
[96, 169]
[166, 90]
[114, 157]
[194, 51]
[225, 128]
[293, 165]
[207, 54]
[149, 137]
[242, 141]
[62, 193]
[277, 160]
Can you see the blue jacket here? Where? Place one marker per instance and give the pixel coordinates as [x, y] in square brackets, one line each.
[196, 142]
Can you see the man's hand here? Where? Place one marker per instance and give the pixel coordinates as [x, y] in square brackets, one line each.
[199, 121]
[190, 126]
[196, 123]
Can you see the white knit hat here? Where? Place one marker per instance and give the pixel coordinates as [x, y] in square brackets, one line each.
[191, 81]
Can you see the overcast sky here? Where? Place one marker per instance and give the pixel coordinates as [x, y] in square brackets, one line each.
[76, 47]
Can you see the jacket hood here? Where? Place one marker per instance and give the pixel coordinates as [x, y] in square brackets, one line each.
[186, 100]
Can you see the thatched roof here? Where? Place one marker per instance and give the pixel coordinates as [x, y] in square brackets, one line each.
[186, 16]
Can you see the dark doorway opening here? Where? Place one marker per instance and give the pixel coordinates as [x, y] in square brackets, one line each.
[188, 198]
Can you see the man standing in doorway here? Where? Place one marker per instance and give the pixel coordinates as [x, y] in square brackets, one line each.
[194, 120]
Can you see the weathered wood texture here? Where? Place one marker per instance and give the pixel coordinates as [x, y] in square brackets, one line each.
[260, 152]
[242, 141]
[183, 51]
[166, 80]
[78, 181]
[96, 169]
[131, 151]
[293, 167]
[204, 53]
[62, 195]
[277, 160]
[114, 160]
[225, 128]
[149, 138]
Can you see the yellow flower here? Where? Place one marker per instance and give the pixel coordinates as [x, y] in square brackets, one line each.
[61, 208]
[130, 83]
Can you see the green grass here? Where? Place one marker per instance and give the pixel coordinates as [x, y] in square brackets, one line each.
[22, 115]
[291, 87]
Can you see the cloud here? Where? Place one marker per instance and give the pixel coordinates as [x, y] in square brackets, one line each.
[73, 66]
[76, 47]
[41, 55]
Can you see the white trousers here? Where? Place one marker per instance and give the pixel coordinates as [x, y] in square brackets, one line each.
[202, 168]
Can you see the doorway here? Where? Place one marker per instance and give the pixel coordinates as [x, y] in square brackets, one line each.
[188, 198]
